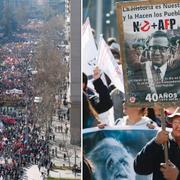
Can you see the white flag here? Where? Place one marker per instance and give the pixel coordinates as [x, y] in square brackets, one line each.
[108, 65]
[89, 51]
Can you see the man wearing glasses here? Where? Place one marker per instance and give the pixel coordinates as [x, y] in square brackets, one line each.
[159, 70]
[161, 74]
[159, 53]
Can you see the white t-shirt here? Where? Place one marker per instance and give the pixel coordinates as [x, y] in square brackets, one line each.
[142, 123]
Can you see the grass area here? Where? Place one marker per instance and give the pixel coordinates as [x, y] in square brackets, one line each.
[50, 178]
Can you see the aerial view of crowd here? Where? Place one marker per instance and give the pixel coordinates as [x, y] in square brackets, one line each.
[21, 140]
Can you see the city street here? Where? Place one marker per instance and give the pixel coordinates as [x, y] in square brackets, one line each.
[34, 85]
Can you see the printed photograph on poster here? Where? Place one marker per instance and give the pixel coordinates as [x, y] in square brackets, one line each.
[151, 41]
[112, 152]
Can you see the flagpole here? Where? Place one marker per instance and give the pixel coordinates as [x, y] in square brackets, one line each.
[99, 18]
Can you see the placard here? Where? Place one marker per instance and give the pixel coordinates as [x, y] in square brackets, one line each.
[150, 49]
[112, 152]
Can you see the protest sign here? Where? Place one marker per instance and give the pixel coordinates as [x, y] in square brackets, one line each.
[112, 151]
[150, 36]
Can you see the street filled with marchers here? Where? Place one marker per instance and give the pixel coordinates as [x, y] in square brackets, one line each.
[21, 142]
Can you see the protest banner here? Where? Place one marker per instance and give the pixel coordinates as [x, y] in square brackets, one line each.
[112, 151]
[150, 36]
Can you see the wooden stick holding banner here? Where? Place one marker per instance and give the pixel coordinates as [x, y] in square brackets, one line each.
[163, 125]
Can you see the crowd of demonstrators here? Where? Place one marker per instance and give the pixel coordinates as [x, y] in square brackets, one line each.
[112, 96]
[20, 145]
[21, 142]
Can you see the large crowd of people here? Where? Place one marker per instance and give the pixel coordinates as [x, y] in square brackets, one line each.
[21, 140]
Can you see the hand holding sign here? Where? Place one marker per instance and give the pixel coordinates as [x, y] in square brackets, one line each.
[169, 170]
[162, 137]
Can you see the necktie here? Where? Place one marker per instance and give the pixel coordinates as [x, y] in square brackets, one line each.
[158, 73]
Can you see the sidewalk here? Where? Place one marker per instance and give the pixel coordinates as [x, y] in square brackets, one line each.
[71, 151]
[32, 173]
[64, 174]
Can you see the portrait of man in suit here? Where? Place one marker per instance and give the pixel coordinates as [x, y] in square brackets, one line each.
[158, 72]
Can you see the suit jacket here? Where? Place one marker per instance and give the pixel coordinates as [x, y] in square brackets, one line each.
[143, 81]
[148, 160]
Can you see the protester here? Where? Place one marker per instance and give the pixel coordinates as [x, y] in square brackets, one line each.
[151, 158]
[136, 117]
[90, 116]
[102, 103]
[117, 96]
[43, 177]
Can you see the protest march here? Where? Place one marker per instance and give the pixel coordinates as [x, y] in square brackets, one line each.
[130, 94]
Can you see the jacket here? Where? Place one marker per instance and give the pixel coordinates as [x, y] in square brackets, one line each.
[102, 103]
[143, 83]
[149, 158]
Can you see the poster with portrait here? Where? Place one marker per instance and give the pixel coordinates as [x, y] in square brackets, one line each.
[112, 151]
[150, 47]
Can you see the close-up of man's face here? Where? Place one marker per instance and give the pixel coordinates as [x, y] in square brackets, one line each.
[159, 50]
[118, 165]
[112, 161]
[176, 127]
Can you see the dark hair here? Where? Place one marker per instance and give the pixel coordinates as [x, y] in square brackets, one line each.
[138, 43]
[157, 34]
[143, 111]
[110, 40]
[85, 79]
[88, 110]
[87, 169]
